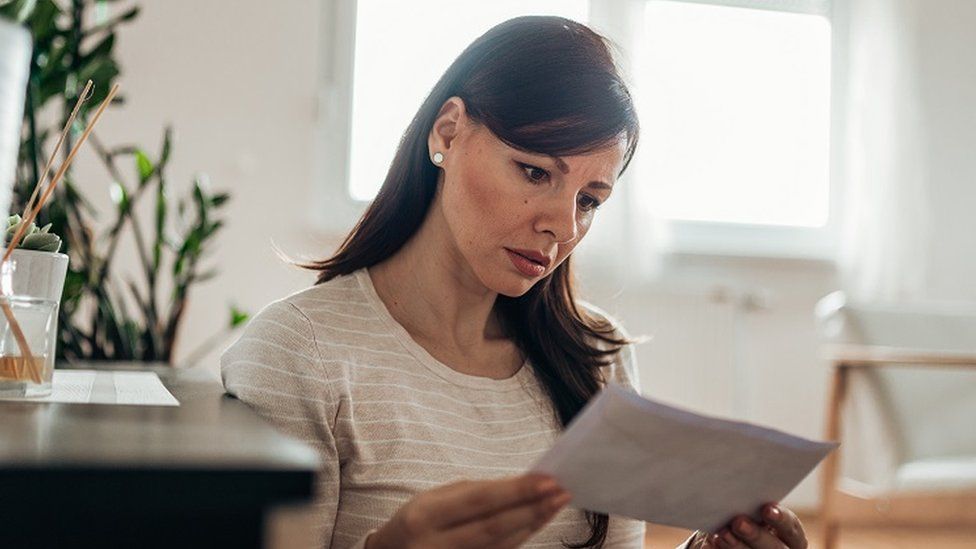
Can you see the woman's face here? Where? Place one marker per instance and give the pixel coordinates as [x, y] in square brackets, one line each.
[515, 216]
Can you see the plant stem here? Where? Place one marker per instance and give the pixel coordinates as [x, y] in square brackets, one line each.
[115, 231]
[152, 317]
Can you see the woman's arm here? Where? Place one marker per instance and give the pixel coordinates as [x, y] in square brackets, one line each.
[275, 368]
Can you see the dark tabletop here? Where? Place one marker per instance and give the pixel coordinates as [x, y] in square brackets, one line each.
[210, 452]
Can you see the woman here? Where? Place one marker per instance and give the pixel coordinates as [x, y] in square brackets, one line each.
[442, 349]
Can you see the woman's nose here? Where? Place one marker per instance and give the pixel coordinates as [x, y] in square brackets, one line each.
[558, 219]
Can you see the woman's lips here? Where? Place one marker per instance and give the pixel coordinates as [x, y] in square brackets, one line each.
[526, 266]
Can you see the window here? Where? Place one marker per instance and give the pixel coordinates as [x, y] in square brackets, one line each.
[734, 98]
[735, 103]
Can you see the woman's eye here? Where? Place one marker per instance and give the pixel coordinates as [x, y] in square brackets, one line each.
[534, 174]
[587, 203]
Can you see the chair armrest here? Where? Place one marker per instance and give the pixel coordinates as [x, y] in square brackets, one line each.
[868, 355]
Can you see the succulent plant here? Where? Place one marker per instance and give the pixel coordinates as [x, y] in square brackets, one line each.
[41, 239]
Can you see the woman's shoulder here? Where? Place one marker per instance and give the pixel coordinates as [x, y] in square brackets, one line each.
[335, 294]
[340, 301]
[334, 321]
[288, 332]
[338, 309]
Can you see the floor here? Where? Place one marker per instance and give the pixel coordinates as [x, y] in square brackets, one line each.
[662, 537]
[286, 533]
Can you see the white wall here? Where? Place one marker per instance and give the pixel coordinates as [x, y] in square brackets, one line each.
[946, 46]
[237, 79]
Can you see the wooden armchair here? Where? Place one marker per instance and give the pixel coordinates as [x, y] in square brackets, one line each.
[925, 472]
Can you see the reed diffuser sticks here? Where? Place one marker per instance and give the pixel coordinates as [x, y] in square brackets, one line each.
[85, 95]
[30, 214]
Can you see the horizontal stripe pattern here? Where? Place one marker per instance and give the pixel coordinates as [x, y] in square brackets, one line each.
[329, 366]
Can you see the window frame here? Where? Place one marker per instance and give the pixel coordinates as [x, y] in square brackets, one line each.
[717, 238]
[332, 210]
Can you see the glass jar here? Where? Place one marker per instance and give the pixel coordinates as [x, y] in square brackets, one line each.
[28, 339]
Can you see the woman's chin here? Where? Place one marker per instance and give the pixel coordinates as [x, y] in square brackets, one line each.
[515, 285]
[506, 281]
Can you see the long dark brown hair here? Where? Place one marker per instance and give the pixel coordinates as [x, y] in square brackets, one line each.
[546, 85]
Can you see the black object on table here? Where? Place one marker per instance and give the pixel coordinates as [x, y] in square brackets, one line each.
[202, 474]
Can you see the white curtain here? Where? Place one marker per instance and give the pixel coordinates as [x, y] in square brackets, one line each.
[886, 226]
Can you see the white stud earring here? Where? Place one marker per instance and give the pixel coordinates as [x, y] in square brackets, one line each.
[438, 157]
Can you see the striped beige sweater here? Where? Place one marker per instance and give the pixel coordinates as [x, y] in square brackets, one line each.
[332, 367]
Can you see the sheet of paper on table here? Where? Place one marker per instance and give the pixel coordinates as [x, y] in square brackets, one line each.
[630, 456]
[109, 387]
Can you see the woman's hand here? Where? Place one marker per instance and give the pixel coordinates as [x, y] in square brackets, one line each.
[780, 529]
[489, 513]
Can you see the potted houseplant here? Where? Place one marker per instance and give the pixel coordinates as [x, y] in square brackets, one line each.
[31, 279]
[106, 312]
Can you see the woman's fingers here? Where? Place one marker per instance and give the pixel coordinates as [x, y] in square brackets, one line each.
[507, 528]
[780, 529]
[466, 501]
[788, 527]
[518, 537]
[746, 534]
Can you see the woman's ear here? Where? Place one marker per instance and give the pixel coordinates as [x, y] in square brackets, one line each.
[447, 126]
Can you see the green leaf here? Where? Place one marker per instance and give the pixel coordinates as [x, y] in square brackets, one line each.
[43, 20]
[129, 15]
[161, 209]
[101, 50]
[51, 85]
[17, 10]
[110, 25]
[211, 229]
[191, 247]
[42, 242]
[133, 333]
[237, 317]
[206, 276]
[144, 167]
[101, 71]
[167, 146]
[33, 238]
[219, 199]
[200, 199]
[74, 286]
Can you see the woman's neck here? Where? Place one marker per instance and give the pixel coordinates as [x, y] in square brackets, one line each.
[429, 288]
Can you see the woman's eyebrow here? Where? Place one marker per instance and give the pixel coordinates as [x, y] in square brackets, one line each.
[563, 167]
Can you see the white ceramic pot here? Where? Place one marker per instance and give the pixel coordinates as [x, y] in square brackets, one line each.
[35, 274]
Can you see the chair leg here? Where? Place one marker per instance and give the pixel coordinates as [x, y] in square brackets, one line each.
[838, 388]
[829, 534]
